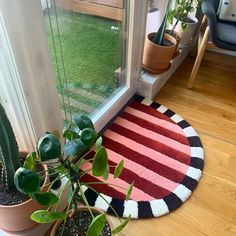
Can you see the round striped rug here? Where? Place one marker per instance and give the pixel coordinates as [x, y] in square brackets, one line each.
[163, 155]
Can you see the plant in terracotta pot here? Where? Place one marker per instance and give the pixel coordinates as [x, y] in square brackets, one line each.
[14, 206]
[159, 49]
[82, 153]
[184, 24]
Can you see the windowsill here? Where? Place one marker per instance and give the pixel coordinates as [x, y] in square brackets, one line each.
[150, 84]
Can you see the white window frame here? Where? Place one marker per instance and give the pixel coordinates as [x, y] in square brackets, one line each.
[28, 90]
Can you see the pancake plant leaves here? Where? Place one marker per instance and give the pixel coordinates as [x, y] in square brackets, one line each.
[82, 147]
[181, 13]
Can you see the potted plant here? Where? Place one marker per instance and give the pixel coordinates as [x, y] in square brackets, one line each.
[159, 49]
[81, 153]
[184, 24]
[15, 207]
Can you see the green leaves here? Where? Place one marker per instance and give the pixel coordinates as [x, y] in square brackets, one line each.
[26, 181]
[129, 191]
[100, 162]
[43, 216]
[78, 140]
[88, 137]
[74, 147]
[181, 13]
[49, 147]
[45, 198]
[97, 225]
[70, 134]
[121, 226]
[83, 121]
[30, 161]
[118, 169]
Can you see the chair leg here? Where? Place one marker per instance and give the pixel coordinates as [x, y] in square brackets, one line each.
[198, 60]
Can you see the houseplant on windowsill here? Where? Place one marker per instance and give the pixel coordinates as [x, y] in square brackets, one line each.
[184, 24]
[15, 207]
[159, 49]
[82, 153]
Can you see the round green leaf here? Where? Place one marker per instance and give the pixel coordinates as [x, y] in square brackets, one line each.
[70, 133]
[83, 121]
[49, 147]
[43, 216]
[74, 147]
[26, 181]
[88, 136]
[100, 162]
[97, 225]
[45, 198]
[118, 169]
[30, 161]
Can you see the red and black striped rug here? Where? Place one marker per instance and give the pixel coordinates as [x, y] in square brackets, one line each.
[163, 155]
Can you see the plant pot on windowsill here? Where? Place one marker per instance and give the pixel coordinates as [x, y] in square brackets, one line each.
[79, 224]
[187, 35]
[16, 218]
[157, 58]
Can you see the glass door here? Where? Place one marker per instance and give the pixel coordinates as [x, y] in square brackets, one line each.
[42, 41]
[88, 44]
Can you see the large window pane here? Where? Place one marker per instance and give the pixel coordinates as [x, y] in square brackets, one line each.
[87, 51]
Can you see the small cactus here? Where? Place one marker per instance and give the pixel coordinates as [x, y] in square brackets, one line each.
[9, 152]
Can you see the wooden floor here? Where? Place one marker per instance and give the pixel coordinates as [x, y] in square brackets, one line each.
[211, 109]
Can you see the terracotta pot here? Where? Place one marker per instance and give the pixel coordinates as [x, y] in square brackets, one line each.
[177, 38]
[156, 58]
[16, 218]
[82, 208]
[187, 36]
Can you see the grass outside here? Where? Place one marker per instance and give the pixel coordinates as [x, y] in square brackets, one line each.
[91, 51]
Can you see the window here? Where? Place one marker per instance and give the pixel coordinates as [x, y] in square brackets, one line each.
[35, 89]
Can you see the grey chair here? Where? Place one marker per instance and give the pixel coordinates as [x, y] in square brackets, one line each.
[221, 33]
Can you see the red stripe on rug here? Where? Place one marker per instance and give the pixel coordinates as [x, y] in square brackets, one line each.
[155, 128]
[146, 180]
[154, 185]
[137, 193]
[103, 188]
[160, 139]
[149, 110]
[152, 154]
[155, 145]
[155, 120]
[143, 160]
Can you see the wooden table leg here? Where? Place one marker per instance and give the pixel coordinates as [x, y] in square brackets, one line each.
[198, 60]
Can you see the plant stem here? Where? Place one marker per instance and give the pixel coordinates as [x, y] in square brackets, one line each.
[67, 210]
[102, 183]
[84, 173]
[85, 199]
[106, 202]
